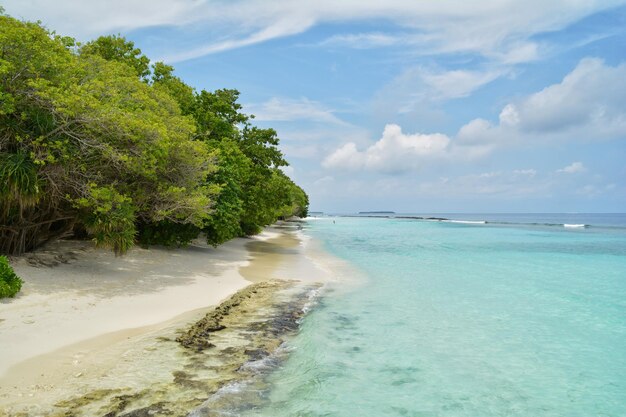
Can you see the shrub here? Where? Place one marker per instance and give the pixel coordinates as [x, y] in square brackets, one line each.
[10, 283]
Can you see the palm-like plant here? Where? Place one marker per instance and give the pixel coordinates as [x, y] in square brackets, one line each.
[19, 185]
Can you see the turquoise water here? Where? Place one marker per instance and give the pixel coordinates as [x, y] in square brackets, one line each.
[462, 320]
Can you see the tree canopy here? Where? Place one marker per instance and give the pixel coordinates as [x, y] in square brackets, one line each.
[97, 141]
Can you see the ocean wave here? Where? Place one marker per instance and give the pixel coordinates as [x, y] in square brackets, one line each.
[465, 221]
[313, 297]
[510, 223]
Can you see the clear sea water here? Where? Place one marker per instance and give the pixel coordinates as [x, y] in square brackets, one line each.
[524, 317]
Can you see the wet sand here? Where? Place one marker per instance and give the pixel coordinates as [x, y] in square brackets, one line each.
[102, 328]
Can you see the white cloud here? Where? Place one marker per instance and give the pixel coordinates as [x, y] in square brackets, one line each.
[457, 83]
[278, 29]
[496, 29]
[588, 104]
[509, 116]
[362, 40]
[394, 152]
[593, 94]
[573, 168]
[518, 53]
[86, 19]
[285, 109]
[346, 157]
[415, 90]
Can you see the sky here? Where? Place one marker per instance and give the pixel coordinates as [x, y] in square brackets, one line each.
[413, 106]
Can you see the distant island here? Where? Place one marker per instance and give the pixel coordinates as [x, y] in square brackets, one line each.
[377, 212]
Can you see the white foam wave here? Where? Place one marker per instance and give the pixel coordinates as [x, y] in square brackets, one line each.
[312, 299]
[262, 364]
[574, 225]
[465, 221]
[232, 388]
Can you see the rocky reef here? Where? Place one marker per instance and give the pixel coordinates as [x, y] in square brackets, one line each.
[187, 373]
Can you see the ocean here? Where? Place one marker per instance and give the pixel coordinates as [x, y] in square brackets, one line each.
[484, 315]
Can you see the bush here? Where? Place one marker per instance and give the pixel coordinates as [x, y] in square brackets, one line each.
[10, 283]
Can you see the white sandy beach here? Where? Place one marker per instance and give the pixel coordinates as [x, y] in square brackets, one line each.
[75, 317]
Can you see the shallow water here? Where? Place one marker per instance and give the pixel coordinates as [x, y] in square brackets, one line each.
[461, 319]
[178, 372]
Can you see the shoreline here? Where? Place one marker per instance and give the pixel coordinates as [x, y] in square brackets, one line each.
[38, 368]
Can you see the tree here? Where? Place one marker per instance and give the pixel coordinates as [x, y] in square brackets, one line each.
[218, 115]
[118, 48]
[163, 78]
[93, 135]
[89, 143]
[233, 171]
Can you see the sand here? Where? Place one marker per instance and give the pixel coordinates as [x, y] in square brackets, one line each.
[81, 316]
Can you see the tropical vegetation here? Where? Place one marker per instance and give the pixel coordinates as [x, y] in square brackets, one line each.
[98, 142]
[10, 283]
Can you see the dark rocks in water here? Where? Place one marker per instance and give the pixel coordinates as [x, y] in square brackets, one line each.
[256, 354]
[287, 322]
[187, 380]
[88, 398]
[197, 336]
[158, 409]
[422, 218]
[118, 403]
[245, 332]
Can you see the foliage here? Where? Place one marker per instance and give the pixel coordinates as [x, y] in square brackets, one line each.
[218, 115]
[233, 170]
[10, 283]
[163, 78]
[110, 218]
[117, 48]
[18, 179]
[94, 138]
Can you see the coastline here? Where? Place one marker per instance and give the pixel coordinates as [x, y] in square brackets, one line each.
[56, 343]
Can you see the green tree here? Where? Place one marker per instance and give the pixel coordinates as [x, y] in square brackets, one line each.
[163, 78]
[89, 141]
[218, 115]
[117, 48]
[86, 123]
[233, 171]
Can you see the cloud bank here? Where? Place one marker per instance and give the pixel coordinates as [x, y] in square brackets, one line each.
[589, 104]
[394, 152]
[500, 30]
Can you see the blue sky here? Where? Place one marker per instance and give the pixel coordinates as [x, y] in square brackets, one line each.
[412, 106]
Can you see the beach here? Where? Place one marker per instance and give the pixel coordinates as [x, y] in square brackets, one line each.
[87, 321]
